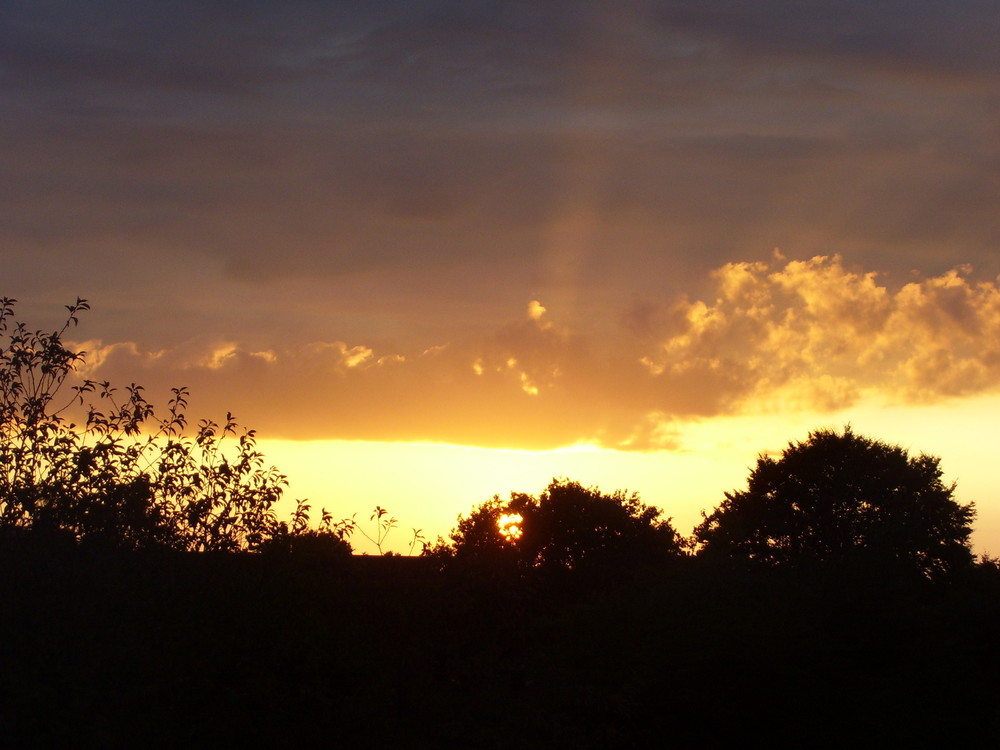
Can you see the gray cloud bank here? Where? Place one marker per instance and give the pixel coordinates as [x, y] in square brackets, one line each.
[308, 139]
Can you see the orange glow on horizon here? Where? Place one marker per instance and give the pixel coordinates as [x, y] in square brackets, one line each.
[427, 485]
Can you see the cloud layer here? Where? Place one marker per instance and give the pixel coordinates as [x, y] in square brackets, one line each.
[509, 223]
[784, 335]
[541, 145]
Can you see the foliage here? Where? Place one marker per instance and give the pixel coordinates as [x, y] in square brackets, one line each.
[567, 527]
[384, 523]
[839, 496]
[302, 541]
[125, 477]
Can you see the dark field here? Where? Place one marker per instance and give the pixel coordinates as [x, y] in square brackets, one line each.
[112, 650]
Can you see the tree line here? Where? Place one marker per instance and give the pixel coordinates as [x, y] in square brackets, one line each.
[92, 465]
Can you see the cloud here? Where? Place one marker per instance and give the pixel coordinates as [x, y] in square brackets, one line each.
[779, 336]
[322, 141]
[902, 35]
[814, 335]
[329, 217]
[517, 386]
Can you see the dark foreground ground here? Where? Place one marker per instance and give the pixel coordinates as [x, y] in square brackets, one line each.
[111, 651]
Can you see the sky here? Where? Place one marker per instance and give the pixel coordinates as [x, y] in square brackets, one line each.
[433, 251]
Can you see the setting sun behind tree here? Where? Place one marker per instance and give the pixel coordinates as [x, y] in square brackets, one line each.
[510, 526]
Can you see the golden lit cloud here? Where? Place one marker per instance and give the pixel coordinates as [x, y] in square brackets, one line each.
[781, 336]
[97, 355]
[268, 356]
[815, 335]
[340, 355]
[218, 357]
[656, 430]
[535, 310]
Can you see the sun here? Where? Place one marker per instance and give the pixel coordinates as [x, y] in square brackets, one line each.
[510, 526]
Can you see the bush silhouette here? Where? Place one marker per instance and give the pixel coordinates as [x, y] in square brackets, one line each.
[838, 496]
[125, 476]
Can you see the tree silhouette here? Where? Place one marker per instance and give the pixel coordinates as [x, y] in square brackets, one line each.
[124, 476]
[838, 495]
[567, 527]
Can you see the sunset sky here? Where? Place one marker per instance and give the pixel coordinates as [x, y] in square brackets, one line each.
[434, 251]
